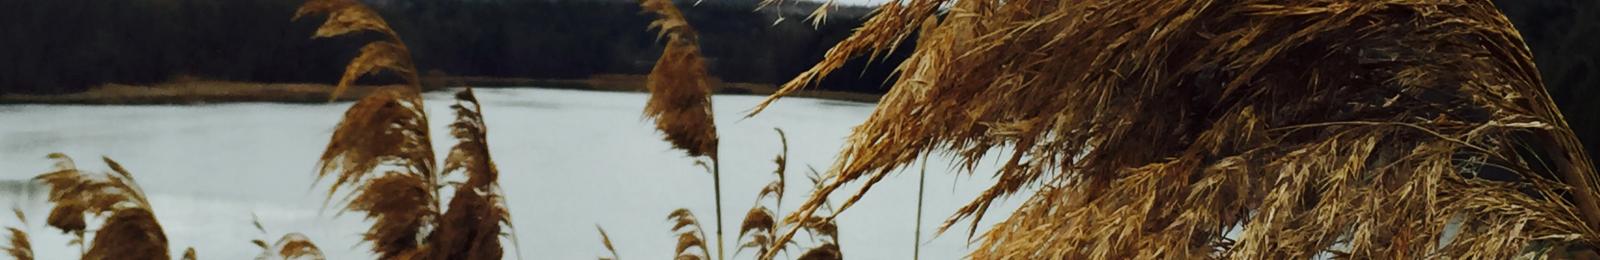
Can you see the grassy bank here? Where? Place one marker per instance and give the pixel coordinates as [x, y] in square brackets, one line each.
[214, 91]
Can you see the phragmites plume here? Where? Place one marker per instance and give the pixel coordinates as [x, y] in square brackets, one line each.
[382, 151]
[1229, 129]
[349, 17]
[19, 246]
[471, 227]
[690, 236]
[129, 229]
[680, 90]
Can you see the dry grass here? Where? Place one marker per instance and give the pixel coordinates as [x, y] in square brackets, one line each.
[680, 95]
[690, 236]
[19, 247]
[1152, 129]
[129, 229]
[387, 132]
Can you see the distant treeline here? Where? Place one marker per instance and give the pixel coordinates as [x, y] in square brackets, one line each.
[62, 46]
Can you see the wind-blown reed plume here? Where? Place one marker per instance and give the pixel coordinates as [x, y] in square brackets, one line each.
[387, 131]
[680, 90]
[680, 94]
[129, 230]
[19, 246]
[606, 240]
[760, 222]
[471, 227]
[690, 235]
[350, 17]
[1154, 129]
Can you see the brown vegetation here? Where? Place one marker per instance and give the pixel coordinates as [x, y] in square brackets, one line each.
[680, 97]
[690, 236]
[1152, 129]
[387, 132]
[19, 246]
[129, 229]
[292, 246]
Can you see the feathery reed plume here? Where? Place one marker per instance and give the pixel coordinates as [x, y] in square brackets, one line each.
[606, 240]
[680, 94]
[130, 230]
[386, 128]
[188, 254]
[1154, 129]
[690, 235]
[20, 247]
[760, 222]
[348, 17]
[471, 227]
[387, 131]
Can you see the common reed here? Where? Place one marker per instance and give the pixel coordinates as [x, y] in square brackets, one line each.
[381, 150]
[19, 246]
[1155, 129]
[680, 94]
[128, 230]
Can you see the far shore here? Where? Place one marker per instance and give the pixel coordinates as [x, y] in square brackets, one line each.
[192, 91]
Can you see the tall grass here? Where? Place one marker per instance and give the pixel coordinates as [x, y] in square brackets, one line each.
[381, 150]
[128, 228]
[680, 95]
[1155, 129]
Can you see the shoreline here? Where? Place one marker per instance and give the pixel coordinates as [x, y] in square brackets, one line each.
[191, 92]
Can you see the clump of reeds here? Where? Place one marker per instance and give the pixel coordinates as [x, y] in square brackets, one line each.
[680, 94]
[19, 246]
[129, 229]
[382, 151]
[1154, 129]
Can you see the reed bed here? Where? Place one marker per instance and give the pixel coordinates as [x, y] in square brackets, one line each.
[1154, 129]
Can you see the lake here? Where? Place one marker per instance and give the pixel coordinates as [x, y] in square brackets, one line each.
[569, 160]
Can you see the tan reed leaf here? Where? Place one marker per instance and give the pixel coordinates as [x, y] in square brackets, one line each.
[606, 240]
